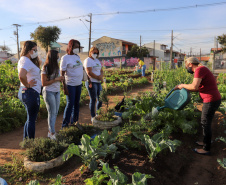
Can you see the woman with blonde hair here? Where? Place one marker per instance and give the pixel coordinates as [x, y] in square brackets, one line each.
[30, 85]
[205, 83]
[95, 73]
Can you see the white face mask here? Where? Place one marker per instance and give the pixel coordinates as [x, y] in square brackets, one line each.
[58, 60]
[94, 56]
[76, 50]
[34, 55]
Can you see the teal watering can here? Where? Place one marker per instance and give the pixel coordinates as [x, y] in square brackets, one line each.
[176, 99]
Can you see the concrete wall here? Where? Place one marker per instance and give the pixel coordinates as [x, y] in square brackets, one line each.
[108, 47]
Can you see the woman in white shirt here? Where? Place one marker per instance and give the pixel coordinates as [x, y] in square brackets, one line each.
[51, 92]
[71, 68]
[30, 85]
[94, 70]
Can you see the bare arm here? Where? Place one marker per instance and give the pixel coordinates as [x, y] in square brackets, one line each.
[62, 73]
[194, 86]
[23, 79]
[46, 82]
[91, 74]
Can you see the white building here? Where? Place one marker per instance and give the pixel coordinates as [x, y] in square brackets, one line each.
[159, 50]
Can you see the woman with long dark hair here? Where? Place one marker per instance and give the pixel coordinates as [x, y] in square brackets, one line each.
[51, 92]
[94, 70]
[30, 85]
[71, 67]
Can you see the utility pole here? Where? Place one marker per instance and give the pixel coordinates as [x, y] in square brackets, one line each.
[171, 51]
[90, 23]
[190, 51]
[200, 55]
[17, 36]
[154, 56]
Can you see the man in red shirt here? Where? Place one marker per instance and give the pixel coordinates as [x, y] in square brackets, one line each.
[205, 83]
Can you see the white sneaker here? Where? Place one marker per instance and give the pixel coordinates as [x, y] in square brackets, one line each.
[52, 136]
[92, 119]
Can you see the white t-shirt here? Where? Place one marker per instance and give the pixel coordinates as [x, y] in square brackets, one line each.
[33, 72]
[54, 87]
[74, 70]
[96, 67]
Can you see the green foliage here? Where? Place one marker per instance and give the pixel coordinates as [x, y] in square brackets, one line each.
[91, 150]
[43, 149]
[140, 179]
[115, 177]
[136, 51]
[58, 181]
[222, 41]
[8, 62]
[157, 143]
[222, 162]
[15, 170]
[46, 35]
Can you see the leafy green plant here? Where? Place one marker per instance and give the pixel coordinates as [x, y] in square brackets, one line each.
[115, 177]
[91, 150]
[222, 162]
[157, 143]
[43, 149]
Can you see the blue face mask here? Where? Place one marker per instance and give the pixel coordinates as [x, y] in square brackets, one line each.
[189, 69]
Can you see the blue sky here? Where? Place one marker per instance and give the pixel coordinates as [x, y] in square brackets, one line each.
[204, 22]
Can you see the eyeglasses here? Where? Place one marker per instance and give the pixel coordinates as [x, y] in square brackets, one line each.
[35, 50]
[96, 53]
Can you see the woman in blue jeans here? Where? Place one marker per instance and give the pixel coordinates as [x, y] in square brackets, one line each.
[51, 92]
[94, 70]
[30, 85]
[71, 67]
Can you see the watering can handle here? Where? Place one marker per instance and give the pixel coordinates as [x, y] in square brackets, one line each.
[169, 93]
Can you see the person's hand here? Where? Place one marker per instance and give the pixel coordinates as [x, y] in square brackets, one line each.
[32, 83]
[66, 91]
[60, 78]
[90, 84]
[180, 86]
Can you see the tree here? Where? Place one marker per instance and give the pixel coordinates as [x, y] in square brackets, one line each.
[222, 41]
[136, 51]
[46, 35]
[4, 48]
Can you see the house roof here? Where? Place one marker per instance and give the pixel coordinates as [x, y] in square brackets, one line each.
[123, 41]
[203, 58]
[216, 49]
[55, 45]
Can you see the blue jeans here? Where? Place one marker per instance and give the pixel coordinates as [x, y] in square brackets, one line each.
[72, 101]
[52, 100]
[143, 70]
[31, 100]
[94, 94]
[3, 182]
[208, 111]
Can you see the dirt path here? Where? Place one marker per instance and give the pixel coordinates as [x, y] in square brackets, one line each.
[9, 142]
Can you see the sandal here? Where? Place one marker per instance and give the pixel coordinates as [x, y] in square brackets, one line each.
[206, 153]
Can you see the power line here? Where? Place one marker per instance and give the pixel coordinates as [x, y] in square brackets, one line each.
[164, 9]
[125, 12]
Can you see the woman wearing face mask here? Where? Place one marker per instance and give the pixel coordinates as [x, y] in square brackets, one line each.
[71, 67]
[30, 85]
[205, 83]
[94, 70]
[51, 92]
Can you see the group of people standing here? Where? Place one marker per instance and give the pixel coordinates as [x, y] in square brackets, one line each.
[70, 72]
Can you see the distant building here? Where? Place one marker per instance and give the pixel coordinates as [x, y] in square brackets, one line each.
[111, 47]
[4, 55]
